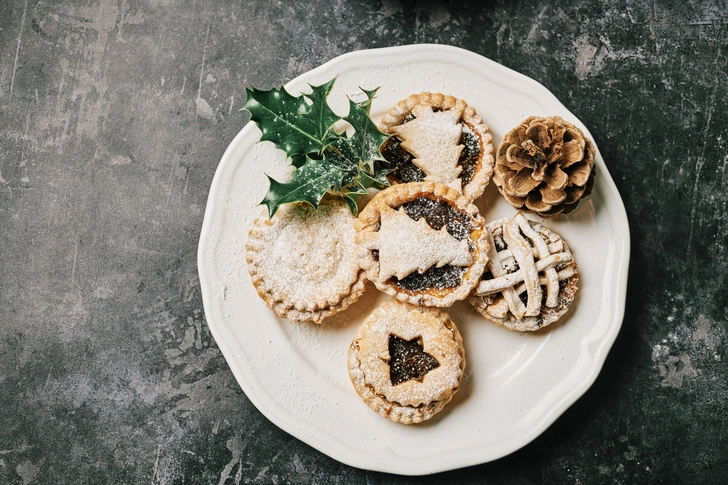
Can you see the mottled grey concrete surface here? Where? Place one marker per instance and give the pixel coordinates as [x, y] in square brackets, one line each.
[113, 117]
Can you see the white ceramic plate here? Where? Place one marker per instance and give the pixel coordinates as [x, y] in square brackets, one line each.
[516, 384]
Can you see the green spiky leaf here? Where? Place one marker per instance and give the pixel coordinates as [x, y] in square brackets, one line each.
[324, 160]
[297, 125]
[367, 139]
[308, 183]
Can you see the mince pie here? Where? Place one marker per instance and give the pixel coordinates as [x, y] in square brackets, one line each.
[303, 261]
[531, 277]
[423, 243]
[406, 362]
[438, 138]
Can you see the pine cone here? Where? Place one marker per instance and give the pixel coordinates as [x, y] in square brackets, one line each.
[546, 165]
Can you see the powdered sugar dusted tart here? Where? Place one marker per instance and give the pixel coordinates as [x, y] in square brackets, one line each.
[303, 261]
[406, 362]
[531, 277]
[438, 138]
[423, 243]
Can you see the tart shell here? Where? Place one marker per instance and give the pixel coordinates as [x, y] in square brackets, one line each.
[394, 197]
[302, 262]
[485, 163]
[412, 401]
[493, 306]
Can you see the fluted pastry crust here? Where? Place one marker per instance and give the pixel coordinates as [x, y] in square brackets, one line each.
[411, 401]
[468, 227]
[303, 261]
[471, 182]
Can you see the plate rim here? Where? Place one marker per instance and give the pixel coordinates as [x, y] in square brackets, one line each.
[281, 417]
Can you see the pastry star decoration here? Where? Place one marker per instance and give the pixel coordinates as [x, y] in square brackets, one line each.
[406, 245]
[433, 138]
[408, 360]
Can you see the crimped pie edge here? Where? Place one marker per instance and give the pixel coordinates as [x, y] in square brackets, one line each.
[396, 195]
[486, 162]
[392, 410]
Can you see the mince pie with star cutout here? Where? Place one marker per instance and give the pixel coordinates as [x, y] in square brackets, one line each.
[531, 277]
[438, 138]
[406, 362]
[423, 243]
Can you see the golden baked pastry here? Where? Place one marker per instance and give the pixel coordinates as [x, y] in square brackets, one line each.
[303, 261]
[423, 243]
[406, 362]
[531, 277]
[438, 138]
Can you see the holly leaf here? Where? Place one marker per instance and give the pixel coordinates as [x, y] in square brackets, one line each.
[369, 173]
[308, 183]
[324, 160]
[298, 159]
[296, 124]
[367, 139]
[351, 194]
[377, 177]
[351, 201]
[362, 147]
[319, 118]
[366, 105]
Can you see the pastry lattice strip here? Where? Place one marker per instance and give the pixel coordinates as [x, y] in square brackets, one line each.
[554, 247]
[499, 308]
[532, 274]
[510, 280]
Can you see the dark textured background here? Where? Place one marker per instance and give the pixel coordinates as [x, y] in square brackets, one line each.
[113, 117]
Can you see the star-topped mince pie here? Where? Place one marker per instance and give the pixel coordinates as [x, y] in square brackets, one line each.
[531, 277]
[423, 243]
[406, 362]
[438, 138]
[303, 261]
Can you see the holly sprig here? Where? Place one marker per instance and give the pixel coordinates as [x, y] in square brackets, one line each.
[324, 159]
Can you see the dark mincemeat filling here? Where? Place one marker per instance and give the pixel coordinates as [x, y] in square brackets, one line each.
[500, 243]
[408, 360]
[437, 213]
[405, 171]
[440, 278]
[562, 285]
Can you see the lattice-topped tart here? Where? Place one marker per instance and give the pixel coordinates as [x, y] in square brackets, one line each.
[303, 261]
[531, 277]
[438, 138]
[423, 243]
[406, 362]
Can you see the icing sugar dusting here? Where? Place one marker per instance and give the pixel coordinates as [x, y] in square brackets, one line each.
[407, 322]
[434, 139]
[406, 245]
[303, 257]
